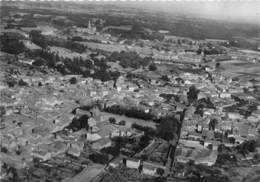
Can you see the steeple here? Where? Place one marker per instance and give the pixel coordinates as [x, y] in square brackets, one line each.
[89, 24]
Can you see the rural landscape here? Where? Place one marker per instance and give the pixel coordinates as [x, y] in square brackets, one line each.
[119, 92]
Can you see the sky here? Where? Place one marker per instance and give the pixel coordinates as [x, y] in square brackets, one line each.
[230, 10]
[248, 11]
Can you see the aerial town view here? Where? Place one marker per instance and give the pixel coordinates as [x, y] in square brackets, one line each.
[129, 92]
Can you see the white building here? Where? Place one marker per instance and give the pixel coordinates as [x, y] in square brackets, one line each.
[133, 163]
[225, 95]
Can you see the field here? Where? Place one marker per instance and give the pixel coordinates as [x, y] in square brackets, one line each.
[241, 69]
[130, 121]
[104, 47]
[68, 53]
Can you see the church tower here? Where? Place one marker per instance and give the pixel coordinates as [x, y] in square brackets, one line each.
[89, 25]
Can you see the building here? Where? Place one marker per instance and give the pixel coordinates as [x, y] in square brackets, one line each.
[115, 162]
[43, 155]
[149, 169]
[103, 143]
[225, 95]
[75, 149]
[90, 29]
[133, 163]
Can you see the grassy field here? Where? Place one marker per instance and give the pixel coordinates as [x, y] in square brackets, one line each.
[241, 69]
[68, 53]
[104, 47]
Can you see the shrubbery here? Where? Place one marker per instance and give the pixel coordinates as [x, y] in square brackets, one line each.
[129, 112]
[11, 44]
[128, 59]
[73, 80]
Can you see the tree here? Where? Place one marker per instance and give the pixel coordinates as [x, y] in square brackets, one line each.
[38, 38]
[247, 146]
[12, 173]
[212, 124]
[144, 141]
[99, 158]
[152, 67]
[39, 62]
[11, 82]
[22, 83]
[77, 38]
[79, 123]
[11, 44]
[128, 59]
[73, 80]
[2, 110]
[217, 65]
[192, 94]
[113, 150]
[144, 157]
[165, 78]
[4, 149]
[168, 128]
[122, 122]
[112, 120]
[232, 140]
[159, 171]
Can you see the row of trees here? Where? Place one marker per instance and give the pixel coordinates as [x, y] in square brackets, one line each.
[129, 112]
[167, 128]
[43, 42]
[77, 65]
[129, 59]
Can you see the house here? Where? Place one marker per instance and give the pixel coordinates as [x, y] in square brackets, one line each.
[196, 152]
[199, 128]
[43, 155]
[104, 93]
[92, 122]
[225, 95]
[93, 137]
[115, 162]
[149, 169]
[75, 149]
[94, 129]
[212, 144]
[202, 95]
[93, 93]
[188, 82]
[208, 159]
[236, 90]
[234, 116]
[133, 163]
[30, 45]
[238, 139]
[195, 136]
[208, 111]
[103, 143]
[152, 169]
[105, 129]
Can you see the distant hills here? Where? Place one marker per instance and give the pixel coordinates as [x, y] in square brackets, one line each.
[177, 23]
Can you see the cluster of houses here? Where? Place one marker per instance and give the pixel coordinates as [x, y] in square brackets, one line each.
[143, 167]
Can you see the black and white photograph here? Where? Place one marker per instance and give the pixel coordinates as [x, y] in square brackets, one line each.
[129, 91]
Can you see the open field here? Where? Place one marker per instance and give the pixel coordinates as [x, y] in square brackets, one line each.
[104, 47]
[241, 69]
[130, 121]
